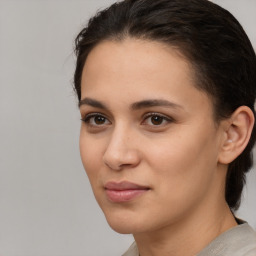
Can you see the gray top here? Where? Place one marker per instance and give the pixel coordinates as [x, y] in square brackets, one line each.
[237, 241]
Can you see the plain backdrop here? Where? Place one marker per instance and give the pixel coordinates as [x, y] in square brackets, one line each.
[46, 204]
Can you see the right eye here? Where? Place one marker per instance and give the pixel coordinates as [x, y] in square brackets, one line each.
[95, 119]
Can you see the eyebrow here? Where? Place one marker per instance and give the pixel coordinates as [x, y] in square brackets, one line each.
[154, 103]
[135, 106]
[91, 102]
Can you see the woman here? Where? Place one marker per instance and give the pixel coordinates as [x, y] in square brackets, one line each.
[166, 92]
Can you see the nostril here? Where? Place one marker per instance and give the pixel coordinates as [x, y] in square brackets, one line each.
[113, 167]
[121, 151]
[121, 160]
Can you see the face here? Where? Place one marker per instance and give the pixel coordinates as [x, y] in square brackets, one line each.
[148, 140]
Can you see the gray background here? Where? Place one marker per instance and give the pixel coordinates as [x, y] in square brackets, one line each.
[46, 205]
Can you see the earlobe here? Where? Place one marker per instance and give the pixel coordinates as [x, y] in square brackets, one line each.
[237, 134]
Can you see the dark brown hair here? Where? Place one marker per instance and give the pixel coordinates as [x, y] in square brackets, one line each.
[208, 36]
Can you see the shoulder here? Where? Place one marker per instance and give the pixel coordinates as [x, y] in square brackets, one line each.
[238, 241]
[132, 251]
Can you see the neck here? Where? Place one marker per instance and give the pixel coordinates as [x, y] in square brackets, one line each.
[188, 236]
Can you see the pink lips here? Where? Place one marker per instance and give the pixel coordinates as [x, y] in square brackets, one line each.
[123, 191]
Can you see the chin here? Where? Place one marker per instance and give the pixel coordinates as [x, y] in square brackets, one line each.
[124, 223]
[122, 229]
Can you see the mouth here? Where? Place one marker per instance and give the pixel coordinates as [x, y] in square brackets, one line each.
[125, 191]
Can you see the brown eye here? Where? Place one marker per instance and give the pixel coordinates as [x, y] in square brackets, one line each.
[157, 120]
[99, 120]
[96, 120]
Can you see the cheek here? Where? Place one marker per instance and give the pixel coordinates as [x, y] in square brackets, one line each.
[90, 155]
[182, 172]
[183, 162]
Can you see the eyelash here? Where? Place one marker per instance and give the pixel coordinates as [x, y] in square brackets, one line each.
[88, 118]
[163, 117]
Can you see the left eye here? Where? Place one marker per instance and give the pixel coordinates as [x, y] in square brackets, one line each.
[156, 120]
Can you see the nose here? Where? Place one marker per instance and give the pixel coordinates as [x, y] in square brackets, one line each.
[122, 150]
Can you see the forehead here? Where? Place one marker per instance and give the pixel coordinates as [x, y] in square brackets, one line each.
[135, 69]
[132, 54]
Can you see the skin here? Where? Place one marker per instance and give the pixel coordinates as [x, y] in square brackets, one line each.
[182, 158]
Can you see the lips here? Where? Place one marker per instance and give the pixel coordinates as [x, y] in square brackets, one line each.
[124, 191]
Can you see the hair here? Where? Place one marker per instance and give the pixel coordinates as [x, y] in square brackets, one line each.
[208, 36]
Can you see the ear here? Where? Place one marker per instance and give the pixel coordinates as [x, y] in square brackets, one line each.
[237, 133]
